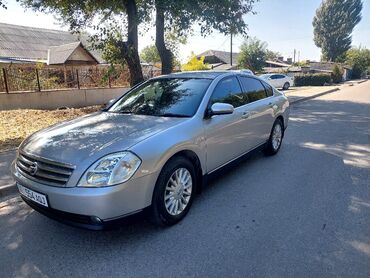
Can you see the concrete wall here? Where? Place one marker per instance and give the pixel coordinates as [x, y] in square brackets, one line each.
[55, 99]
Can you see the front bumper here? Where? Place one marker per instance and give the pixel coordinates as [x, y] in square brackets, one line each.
[83, 205]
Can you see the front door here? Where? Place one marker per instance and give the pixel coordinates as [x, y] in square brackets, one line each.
[226, 134]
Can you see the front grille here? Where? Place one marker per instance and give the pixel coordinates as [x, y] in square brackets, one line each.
[43, 170]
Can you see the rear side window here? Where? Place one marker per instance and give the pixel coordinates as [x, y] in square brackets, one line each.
[228, 91]
[268, 89]
[254, 89]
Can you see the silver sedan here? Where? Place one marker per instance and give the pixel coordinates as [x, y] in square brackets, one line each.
[150, 149]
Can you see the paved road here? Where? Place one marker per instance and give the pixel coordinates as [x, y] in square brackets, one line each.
[302, 213]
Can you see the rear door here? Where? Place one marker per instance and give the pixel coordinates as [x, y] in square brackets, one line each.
[259, 110]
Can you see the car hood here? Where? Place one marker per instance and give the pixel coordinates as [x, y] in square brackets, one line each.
[90, 137]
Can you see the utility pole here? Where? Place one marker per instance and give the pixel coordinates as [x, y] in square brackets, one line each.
[231, 48]
[294, 56]
[299, 54]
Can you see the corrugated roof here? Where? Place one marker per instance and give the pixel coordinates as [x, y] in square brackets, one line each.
[223, 56]
[31, 43]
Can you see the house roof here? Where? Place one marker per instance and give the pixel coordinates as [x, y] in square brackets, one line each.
[223, 56]
[61, 54]
[32, 44]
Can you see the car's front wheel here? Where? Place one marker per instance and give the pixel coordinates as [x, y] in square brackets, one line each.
[276, 137]
[286, 86]
[174, 192]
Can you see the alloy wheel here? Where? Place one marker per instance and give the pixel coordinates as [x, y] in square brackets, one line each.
[178, 191]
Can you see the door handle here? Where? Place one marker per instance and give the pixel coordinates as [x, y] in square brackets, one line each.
[245, 115]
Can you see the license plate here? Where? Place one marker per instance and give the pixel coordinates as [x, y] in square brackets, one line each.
[32, 195]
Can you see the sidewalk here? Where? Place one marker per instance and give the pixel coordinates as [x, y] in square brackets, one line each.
[297, 94]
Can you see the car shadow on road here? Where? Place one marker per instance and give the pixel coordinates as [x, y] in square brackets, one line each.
[305, 210]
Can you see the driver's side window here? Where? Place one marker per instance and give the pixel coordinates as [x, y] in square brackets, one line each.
[228, 91]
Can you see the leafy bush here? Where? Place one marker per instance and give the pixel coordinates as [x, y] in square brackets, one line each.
[359, 60]
[337, 74]
[195, 64]
[317, 79]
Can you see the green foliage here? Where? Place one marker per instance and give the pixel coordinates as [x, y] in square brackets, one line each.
[333, 25]
[337, 74]
[195, 64]
[317, 79]
[359, 60]
[150, 54]
[253, 53]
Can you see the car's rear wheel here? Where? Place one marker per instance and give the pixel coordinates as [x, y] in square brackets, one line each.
[286, 86]
[174, 192]
[276, 137]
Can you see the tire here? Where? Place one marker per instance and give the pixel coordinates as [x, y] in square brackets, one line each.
[160, 211]
[286, 86]
[271, 147]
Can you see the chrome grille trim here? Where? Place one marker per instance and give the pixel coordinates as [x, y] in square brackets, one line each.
[49, 172]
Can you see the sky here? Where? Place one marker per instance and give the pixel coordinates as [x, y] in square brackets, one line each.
[284, 24]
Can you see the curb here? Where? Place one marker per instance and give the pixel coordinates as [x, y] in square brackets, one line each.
[362, 81]
[7, 190]
[313, 96]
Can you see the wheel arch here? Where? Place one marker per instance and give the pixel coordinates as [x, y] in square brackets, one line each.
[195, 160]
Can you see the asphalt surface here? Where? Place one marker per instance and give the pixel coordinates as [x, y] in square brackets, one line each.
[302, 213]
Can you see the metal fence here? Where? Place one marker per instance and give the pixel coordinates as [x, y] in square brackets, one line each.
[31, 79]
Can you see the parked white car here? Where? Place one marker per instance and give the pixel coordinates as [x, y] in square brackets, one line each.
[278, 80]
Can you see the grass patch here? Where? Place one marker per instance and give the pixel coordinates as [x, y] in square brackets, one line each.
[16, 125]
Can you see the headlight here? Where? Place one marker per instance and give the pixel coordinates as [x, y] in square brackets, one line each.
[111, 170]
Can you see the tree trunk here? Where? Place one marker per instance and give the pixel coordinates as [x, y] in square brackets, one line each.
[165, 54]
[129, 49]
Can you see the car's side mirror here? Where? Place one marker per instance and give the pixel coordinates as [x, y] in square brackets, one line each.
[109, 103]
[221, 109]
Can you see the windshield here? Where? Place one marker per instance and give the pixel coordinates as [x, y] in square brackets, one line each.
[170, 97]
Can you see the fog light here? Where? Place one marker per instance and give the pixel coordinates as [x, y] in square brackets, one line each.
[96, 220]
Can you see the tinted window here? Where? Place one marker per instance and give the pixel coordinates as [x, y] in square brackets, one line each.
[274, 76]
[228, 91]
[268, 89]
[281, 76]
[177, 97]
[254, 89]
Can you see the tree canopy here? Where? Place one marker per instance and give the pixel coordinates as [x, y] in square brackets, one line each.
[333, 25]
[116, 24]
[253, 54]
[178, 17]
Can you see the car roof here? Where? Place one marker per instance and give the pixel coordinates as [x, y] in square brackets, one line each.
[195, 74]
